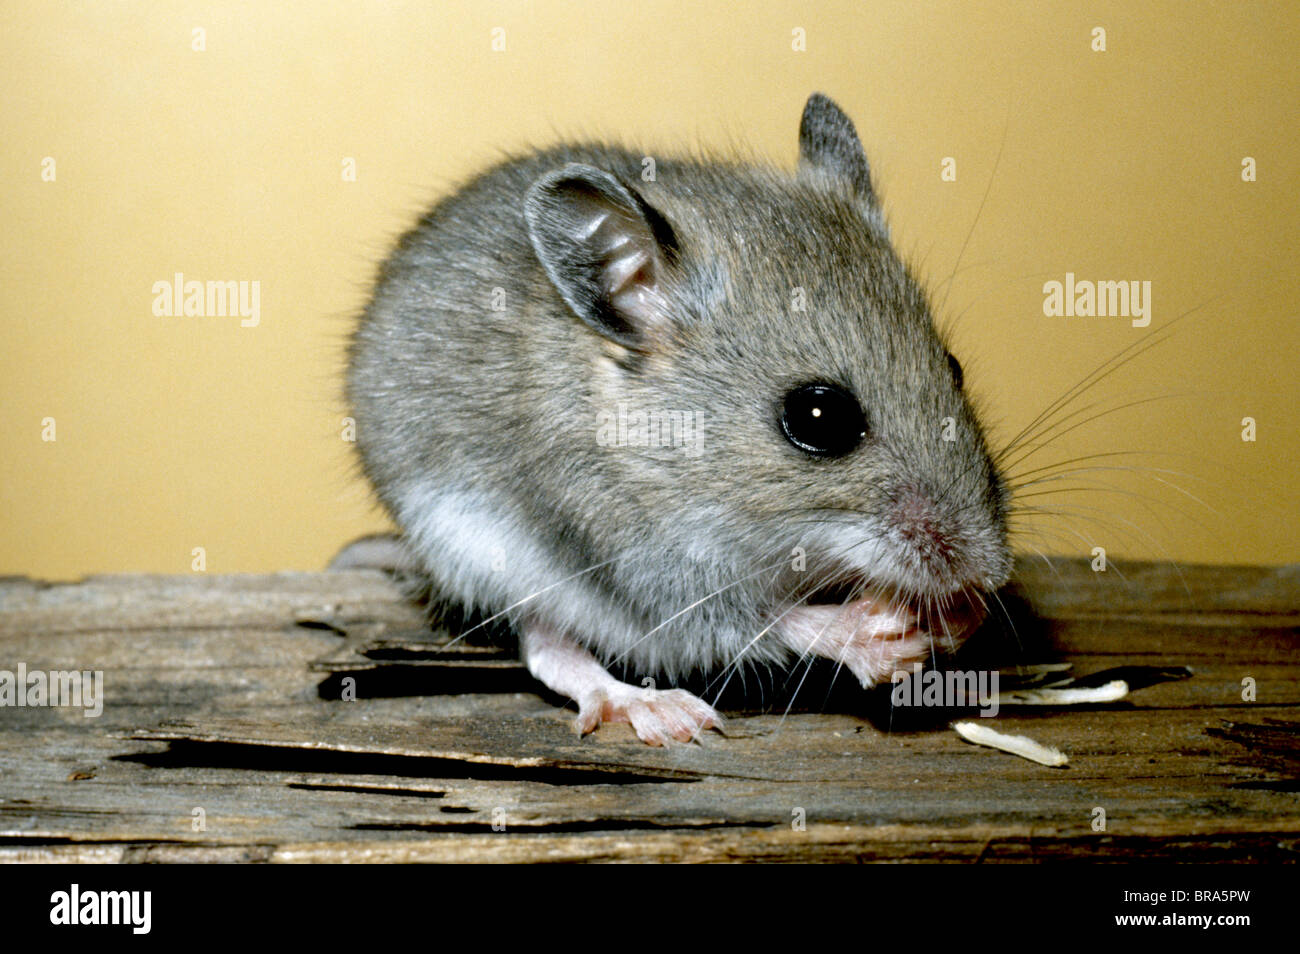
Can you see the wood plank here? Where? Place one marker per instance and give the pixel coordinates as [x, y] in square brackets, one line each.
[219, 694]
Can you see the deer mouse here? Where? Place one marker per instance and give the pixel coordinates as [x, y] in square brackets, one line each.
[677, 415]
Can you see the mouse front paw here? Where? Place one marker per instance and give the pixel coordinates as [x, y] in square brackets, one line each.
[656, 715]
[874, 661]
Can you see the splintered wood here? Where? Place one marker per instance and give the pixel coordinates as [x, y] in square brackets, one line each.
[314, 717]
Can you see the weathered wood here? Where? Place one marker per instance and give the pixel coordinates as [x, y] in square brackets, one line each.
[221, 694]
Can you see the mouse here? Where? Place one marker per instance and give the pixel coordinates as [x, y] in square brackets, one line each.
[670, 415]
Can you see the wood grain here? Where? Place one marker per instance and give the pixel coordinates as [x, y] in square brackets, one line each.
[222, 695]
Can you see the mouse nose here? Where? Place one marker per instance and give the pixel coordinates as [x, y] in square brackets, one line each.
[914, 515]
[917, 521]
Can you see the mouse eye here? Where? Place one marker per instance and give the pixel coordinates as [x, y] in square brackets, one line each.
[955, 367]
[823, 420]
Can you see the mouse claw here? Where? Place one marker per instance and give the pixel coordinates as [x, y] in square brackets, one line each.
[590, 708]
[658, 716]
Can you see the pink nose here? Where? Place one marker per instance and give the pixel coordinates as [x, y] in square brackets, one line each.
[917, 521]
[914, 515]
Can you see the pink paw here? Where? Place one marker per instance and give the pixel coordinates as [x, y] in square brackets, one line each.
[657, 715]
[875, 660]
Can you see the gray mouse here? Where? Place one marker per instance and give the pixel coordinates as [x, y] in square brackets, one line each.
[678, 416]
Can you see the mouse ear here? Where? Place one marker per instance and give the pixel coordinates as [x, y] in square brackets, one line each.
[605, 250]
[829, 146]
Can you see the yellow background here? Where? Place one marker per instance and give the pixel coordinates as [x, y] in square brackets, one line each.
[174, 433]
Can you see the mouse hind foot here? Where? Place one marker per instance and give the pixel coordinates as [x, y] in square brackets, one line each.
[658, 716]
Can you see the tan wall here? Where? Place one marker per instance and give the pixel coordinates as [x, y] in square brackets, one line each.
[174, 433]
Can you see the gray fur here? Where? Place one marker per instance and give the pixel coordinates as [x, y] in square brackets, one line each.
[478, 428]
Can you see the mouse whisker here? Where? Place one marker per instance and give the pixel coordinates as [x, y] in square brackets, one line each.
[1091, 513]
[808, 658]
[1100, 487]
[1012, 479]
[813, 584]
[527, 599]
[988, 188]
[1106, 368]
[1054, 437]
[700, 602]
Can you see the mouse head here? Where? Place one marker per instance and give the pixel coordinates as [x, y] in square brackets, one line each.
[834, 436]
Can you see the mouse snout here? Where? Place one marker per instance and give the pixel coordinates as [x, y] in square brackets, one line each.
[914, 515]
[931, 537]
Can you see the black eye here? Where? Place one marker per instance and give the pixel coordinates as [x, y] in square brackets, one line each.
[955, 367]
[823, 420]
